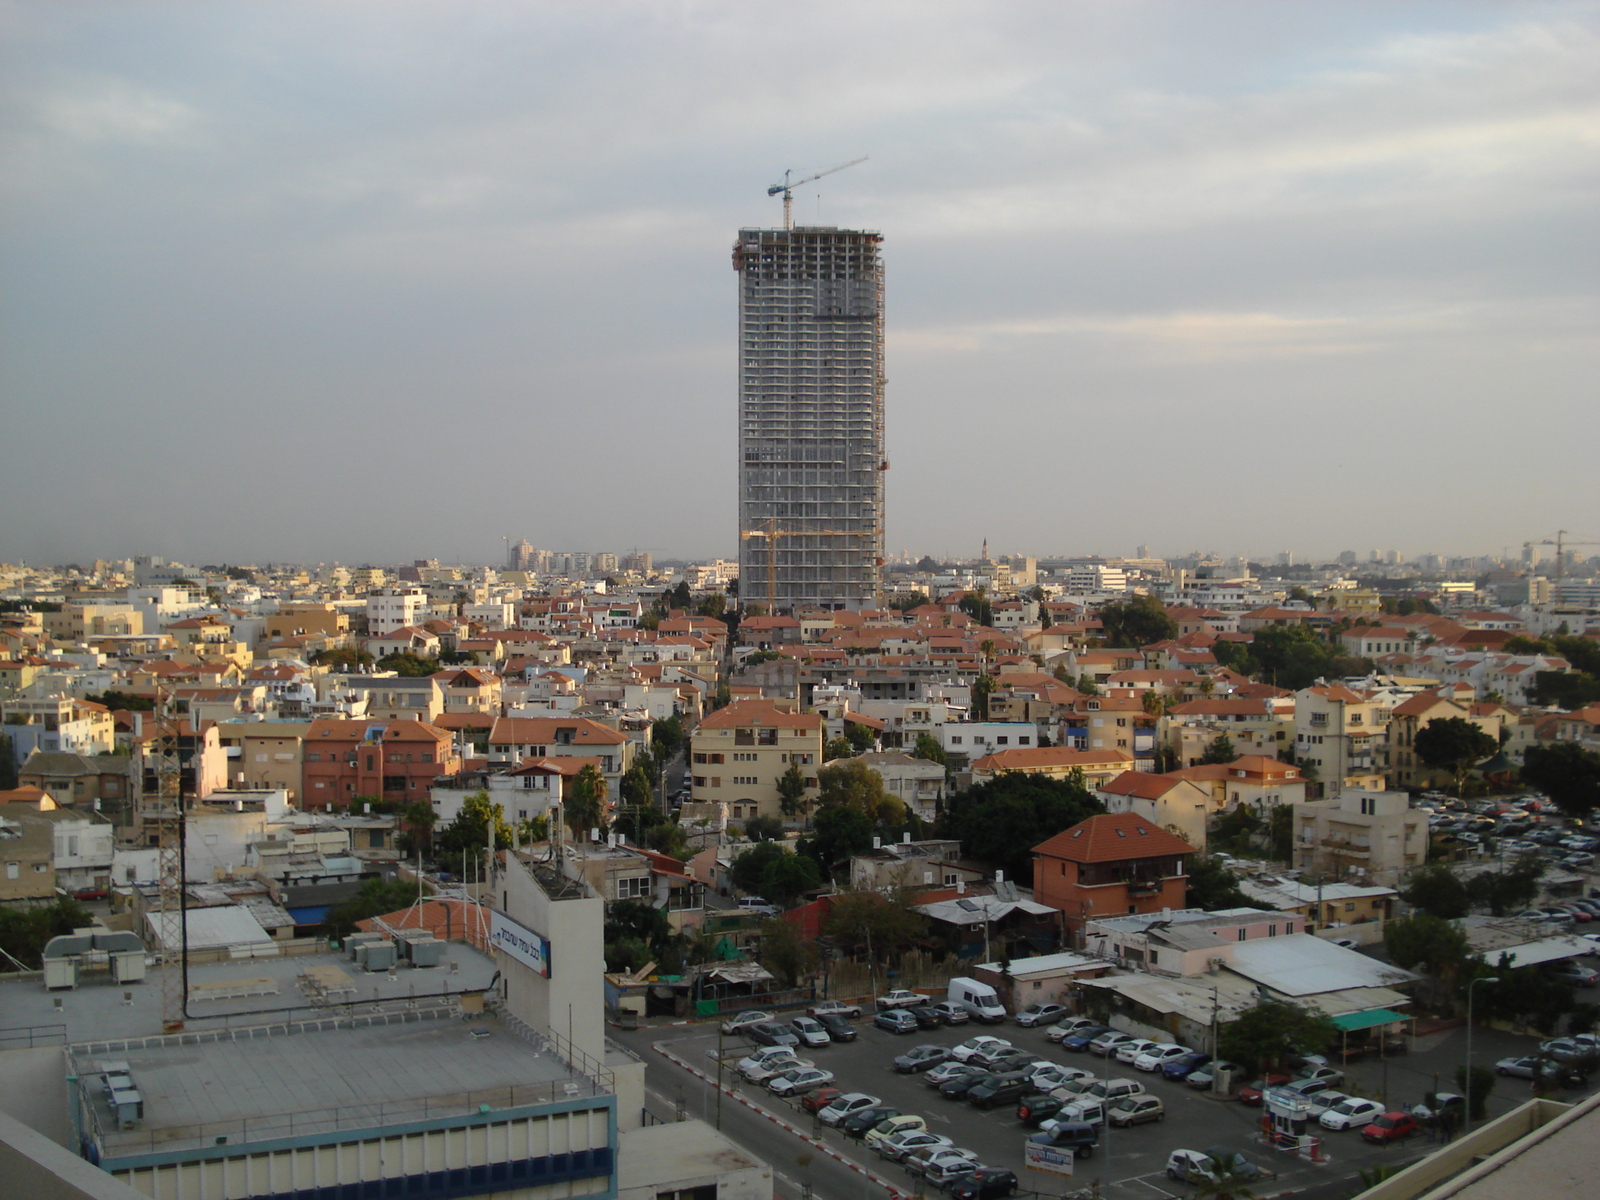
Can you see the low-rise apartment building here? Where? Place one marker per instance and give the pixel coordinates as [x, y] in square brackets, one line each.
[1373, 836]
[739, 753]
[1113, 864]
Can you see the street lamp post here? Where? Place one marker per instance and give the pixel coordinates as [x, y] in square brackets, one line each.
[1466, 1120]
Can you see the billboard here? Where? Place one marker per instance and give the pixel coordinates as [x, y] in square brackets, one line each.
[527, 947]
[1055, 1159]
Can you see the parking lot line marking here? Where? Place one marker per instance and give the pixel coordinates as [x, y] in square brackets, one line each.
[1144, 1179]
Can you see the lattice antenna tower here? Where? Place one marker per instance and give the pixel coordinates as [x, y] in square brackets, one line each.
[169, 860]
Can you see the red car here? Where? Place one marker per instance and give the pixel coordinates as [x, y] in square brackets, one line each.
[1391, 1127]
[1252, 1093]
[818, 1100]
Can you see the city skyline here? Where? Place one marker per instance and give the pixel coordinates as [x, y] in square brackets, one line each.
[307, 283]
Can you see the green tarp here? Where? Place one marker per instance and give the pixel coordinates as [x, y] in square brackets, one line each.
[1349, 1022]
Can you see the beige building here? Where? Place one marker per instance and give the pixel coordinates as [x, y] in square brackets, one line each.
[1374, 836]
[1254, 726]
[1408, 719]
[1251, 779]
[915, 782]
[1058, 762]
[27, 853]
[739, 753]
[1179, 806]
[265, 755]
[1340, 735]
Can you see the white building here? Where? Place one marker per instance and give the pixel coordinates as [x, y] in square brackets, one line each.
[394, 608]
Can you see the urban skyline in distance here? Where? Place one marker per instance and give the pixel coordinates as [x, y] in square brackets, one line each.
[1257, 278]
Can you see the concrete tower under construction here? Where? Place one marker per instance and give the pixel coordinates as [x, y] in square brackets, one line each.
[811, 377]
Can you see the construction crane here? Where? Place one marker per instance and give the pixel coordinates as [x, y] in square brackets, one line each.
[788, 185]
[1560, 542]
[772, 533]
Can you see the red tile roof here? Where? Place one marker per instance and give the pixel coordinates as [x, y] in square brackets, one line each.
[1113, 837]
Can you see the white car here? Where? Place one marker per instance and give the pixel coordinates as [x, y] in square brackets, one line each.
[1322, 1102]
[1127, 1052]
[896, 1146]
[765, 1054]
[1160, 1056]
[800, 1079]
[982, 1044]
[843, 1106]
[1082, 1111]
[937, 1158]
[1047, 1075]
[1352, 1113]
[762, 1071]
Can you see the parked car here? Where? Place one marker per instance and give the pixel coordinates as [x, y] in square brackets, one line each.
[800, 1079]
[951, 1013]
[859, 1123]
[928, 1159]
[1129, 1052]
[896, 1146]
[1037, 1107]
[1157, 1057]
[1112, 1090]
[1080, 1138]
[835, 1008]
[1083, 1038]
[985, 1183]
[889, 1126]
[839, 1029]
[1567, 1050]
[1529, 1066]
[1236, 1164]
[1355, 1112]
[926, 1017]
[768, 1068]
[958, 1087]
[740, 1021]
[1205, 1076]
[758, 906]
[1008, 1058]
[1321, 1102]
[815, 1102]
[896, 1021]
[1136, 1110]
[901, 998]
[1078, 1110]
[1251, 1092]
[770, 1033]
[1041, 1014]
[948, 1173]
[1391, 1127]
[1107, 1043]
[920, 1058]
[962, 1051]
[1190, 1166]
[1575, 973]
[1327, 1076]
[1048, 1075]
[1068, 1026]
[811, 1031]
[948, 1070]
[1181, 1068]
[842, 1106]
[758, 1057]
[999, 1089]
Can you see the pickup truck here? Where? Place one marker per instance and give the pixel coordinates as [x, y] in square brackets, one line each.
[900, 998]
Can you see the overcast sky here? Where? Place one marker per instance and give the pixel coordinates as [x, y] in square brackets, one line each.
[383, 281]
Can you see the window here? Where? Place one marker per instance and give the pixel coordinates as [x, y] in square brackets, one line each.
[13, 870]
[1369, 806]
[634, 888]
[955, 740]
[1239, 933]
[1152, 959]
[1272, 931]
[1002, 741]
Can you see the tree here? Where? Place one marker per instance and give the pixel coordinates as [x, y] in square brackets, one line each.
[679, 597]
[1434, 947]
[772, 871]
[586, 801]
[877, 923]
[408, 664]
[837, 748]
[764, 829]
[343, 659]
[8, 764]
[24, 932]
[1219, 750]
[1136, 622]
[1454, 744]
[861, 737]
[1567, 773]
[907, 602]
[977, 606]
[1438, 891]
[836, 834]
[927, 747]
[637, 933]
[1000, 820]
[1231, 1180]
[418, 820]
[126, 701]
[853, 784]
[1262, 1037]
[373, 898]
[666, 737]
[1477, 1091]
[787, 952]
[792, 792]
[1211, 886]
[480, 820]
[1510, 890]
[1293, 657]
[982, 688]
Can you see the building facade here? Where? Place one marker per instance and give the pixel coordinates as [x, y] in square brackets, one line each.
[739, 753]
[811, 378]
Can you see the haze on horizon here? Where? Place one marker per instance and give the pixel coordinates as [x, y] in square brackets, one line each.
[337, 281]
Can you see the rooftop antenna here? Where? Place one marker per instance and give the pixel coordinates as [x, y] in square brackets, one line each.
[788, 185]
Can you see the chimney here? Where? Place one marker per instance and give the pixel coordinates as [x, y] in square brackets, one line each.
[905, 838]
[877, 843]
[999, 876]
[367, 808]
[961, 887]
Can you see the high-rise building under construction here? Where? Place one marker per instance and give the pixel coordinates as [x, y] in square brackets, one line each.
[811, 377]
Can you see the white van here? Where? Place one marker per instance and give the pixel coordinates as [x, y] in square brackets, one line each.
[979, 999]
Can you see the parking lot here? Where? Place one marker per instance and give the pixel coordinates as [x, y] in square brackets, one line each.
[1129, 1163]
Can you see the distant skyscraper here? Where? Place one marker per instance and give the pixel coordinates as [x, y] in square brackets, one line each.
[810, 417]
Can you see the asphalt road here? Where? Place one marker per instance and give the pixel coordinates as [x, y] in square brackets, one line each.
[1129, 1163]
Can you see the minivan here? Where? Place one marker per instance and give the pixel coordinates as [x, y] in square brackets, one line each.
[979, 999]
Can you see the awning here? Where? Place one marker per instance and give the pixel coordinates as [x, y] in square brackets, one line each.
[1350, 1022]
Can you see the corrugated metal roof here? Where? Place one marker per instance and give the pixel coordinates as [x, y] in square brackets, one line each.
[1298, 964]
[225, 925]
